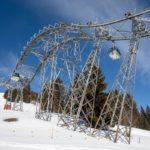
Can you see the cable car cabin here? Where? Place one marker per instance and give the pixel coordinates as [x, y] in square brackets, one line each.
[114, 53]
[15, 77]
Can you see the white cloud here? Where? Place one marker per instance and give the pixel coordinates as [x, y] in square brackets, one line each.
[84, 10]
[143, 62]
[7, 63]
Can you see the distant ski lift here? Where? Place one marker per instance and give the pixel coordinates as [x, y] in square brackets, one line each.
[114, 53]
[15, 77]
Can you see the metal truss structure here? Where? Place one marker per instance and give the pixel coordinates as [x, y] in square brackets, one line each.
[78, 105]
[64, 58]
[117, 110]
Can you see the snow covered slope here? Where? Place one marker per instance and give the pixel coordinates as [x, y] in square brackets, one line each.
[29, 133]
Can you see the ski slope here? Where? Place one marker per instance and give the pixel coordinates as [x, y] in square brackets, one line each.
[29, 133]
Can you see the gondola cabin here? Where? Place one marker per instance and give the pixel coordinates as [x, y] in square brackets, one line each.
[15, 77]
[114, 53]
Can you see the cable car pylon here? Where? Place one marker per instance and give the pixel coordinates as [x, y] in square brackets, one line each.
[115, 120]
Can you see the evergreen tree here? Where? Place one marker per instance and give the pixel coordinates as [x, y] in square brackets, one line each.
[100, 95]
[136, 116]
[54, 92]
[143, 120]
[28, 95]
[148, 115]
[12, 93]
[67, 97]
[99, 99]
[58, 95]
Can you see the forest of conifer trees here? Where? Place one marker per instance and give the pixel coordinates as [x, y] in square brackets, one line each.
[141, 116]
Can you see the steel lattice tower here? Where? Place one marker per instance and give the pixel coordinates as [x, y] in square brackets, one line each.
[60, 52]
[59, 65]
[118, 108]
[44, 109]
[78, 113]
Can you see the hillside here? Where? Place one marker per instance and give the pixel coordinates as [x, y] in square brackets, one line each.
[29, 133]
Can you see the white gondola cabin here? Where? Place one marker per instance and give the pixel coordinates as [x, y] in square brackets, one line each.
[15, 77]
[114, 53]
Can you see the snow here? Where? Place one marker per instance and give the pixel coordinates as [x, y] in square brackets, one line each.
[29, 133]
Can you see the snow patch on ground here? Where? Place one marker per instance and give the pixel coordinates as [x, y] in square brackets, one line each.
[29, 133]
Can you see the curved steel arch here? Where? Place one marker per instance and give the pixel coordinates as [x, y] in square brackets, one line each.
[28, 49]
[62, 34]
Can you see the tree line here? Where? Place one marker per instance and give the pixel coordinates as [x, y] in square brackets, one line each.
[141, 117]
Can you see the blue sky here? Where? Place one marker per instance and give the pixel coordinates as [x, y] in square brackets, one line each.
[20, 19]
